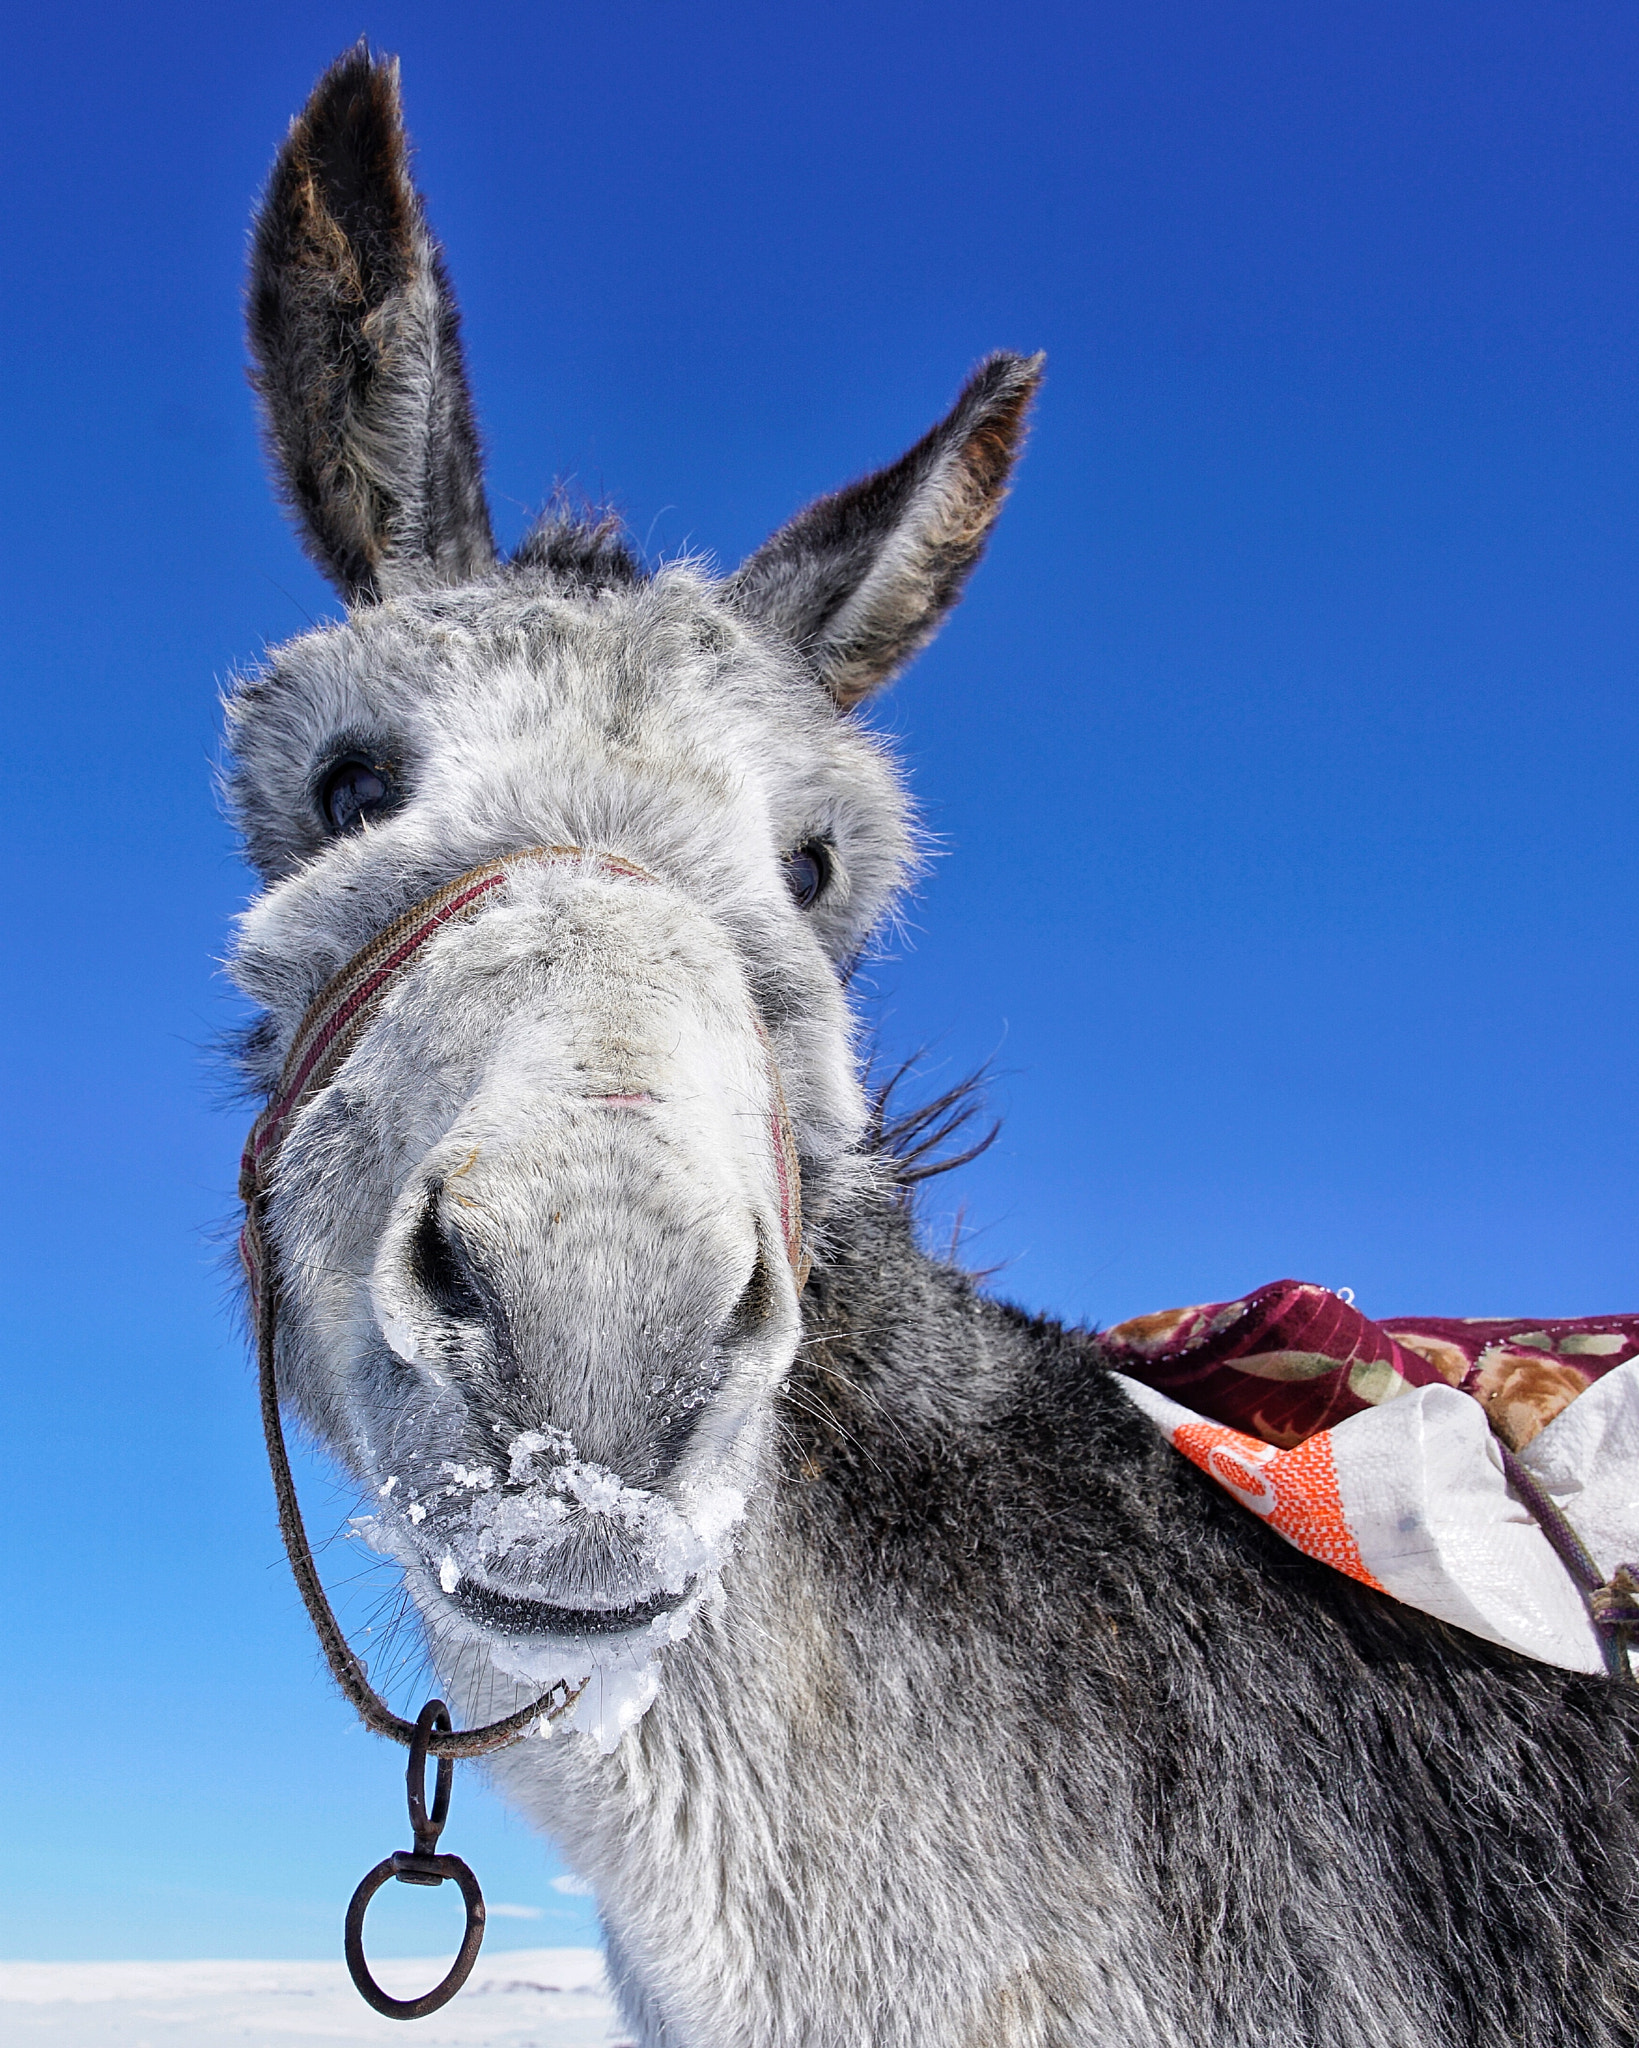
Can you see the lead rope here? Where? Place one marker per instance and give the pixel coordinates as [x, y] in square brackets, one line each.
[332, 1025]
[446, 1743]
[430, 1734]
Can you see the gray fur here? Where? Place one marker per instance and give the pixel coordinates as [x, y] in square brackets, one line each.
[993, 1723]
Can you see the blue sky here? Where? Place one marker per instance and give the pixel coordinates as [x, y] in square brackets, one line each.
[1282, 757]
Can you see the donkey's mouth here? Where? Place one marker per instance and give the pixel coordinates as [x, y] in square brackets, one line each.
[509, 1615]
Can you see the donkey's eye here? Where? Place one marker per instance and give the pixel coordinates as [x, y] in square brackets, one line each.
[353, 791]
[807, 870]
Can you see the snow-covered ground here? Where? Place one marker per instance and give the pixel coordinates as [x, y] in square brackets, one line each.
[528, 1998]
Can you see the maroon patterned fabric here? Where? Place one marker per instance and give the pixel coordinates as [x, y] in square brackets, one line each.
[1294, 1358]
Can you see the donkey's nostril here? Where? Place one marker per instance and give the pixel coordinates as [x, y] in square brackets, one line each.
[755, 1305]
[441, 1266]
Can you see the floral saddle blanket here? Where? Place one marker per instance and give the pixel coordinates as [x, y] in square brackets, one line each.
[1378, 1448]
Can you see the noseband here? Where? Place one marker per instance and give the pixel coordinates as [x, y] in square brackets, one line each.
[331, 1028]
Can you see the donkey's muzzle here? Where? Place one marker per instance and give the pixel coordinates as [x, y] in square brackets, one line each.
[582, 1277]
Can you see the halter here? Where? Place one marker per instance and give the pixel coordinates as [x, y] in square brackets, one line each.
[330, 1030]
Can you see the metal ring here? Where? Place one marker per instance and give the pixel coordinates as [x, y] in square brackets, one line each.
[411, 1869]
[434, 1719]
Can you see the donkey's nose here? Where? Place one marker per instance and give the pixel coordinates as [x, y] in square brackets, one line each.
[756, 1305]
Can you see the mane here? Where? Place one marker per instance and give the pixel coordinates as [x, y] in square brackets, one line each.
[581, 550]
[911, 1142]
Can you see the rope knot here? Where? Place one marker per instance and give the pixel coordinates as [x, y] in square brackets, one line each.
[1615, 1604]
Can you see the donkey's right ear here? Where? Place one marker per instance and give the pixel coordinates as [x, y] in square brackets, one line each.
[357, 349]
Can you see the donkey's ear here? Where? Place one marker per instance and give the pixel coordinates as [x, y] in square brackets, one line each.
[863, 578]
[357, 349]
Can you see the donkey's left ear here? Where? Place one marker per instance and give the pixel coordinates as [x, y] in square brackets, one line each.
[862, 579]
[358, 354]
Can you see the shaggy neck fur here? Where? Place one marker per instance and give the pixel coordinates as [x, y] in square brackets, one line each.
[1009, 1730]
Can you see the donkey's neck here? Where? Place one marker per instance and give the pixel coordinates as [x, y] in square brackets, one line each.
[825, 1736]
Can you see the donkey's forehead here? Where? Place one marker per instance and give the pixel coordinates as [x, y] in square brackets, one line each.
[513, 715]
[619, 652]
[663, 672]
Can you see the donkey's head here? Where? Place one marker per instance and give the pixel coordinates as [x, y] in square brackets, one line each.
[534, 1281]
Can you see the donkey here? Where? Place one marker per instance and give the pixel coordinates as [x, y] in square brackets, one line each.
[933, 1698]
